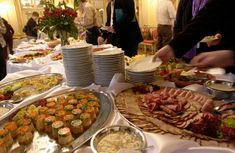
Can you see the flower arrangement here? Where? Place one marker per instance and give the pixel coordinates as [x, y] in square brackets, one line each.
[59, 19]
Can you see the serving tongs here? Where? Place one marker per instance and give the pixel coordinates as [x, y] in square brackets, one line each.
[219, 109]
[12, 101]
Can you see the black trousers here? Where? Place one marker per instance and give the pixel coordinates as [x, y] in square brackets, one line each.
[3, 70]
[92, 35]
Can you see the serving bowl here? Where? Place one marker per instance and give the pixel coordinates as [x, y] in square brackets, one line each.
[100, 135]
[221, 89]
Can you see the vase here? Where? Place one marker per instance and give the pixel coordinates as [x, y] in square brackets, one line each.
[64, 38]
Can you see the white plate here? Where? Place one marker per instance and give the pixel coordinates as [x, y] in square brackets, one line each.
[206, 150]
[111, 51]
[144, 64]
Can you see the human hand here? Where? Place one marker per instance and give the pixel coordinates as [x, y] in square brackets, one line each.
[216, 41]
[111, 29]
[100, 40]
[221, 58]
[165, 54]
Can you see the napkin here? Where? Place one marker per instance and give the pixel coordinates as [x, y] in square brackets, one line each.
[170, 144]
[118, 84]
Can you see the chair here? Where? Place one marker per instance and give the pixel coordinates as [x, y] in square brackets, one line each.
[150, 43]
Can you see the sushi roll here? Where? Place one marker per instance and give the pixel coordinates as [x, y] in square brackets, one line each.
[83, 101]
[64, 136]
[31, 114]
[51, 105]
[73, 102]
[86, 120]
[61, 97]
[55, 128]
[5, 135]
[62, 102]
[68, 119]
[51, 111]
[48, 122]
[59, 107]
[76, 127]
[76, 112]
[24, 135]
[43, 110]
[12, 128]
[92, 97]
[92, 112]
[68, 108]
[81, 106]
[52, 99]
[40, 122]
[95, 105]
[26, 122]
[3, 148]
[60, 114]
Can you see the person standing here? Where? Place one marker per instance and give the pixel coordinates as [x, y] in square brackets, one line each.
[8, 36]
[30, 28]
[3, 50]
[187, 10]
[165, 17]
[108, 37]
[125, 25]
[209, 20]
[88, 19]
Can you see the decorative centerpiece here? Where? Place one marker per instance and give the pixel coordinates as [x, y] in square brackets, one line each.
[60, 20]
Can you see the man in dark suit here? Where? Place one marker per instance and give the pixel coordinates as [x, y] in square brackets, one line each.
[213, 17]
[121, 21]
[30, 28]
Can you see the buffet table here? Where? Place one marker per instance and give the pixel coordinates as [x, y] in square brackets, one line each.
[160, 142]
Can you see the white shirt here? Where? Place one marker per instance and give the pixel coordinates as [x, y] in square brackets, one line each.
[165, 12]
[112, 11]
[87, 15]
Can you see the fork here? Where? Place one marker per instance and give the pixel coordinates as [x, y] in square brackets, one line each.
[218, 110]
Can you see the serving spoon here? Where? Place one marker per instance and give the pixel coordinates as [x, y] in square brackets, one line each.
[12, 101]
[218, 110]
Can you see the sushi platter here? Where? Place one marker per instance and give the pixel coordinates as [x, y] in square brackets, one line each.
[60, 123]
[18, 90]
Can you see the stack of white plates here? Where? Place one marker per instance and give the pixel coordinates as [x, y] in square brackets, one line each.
[106, 64]
[78, 65]
[144, 77]
[142, 70]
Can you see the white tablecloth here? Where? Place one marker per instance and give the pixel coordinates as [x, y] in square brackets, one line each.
[161, 143]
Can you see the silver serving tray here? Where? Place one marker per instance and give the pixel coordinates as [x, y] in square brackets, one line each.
[25, 78]
[42, 143]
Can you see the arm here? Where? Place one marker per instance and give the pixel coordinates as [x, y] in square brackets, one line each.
[178, 27]
[205, 23]
[221, 58]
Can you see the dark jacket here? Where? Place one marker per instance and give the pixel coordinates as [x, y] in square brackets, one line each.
[9, 33]
[30, 28]
[213, 17]
[217, 15]
[183, 16]
[128, 34]
[126, 26]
